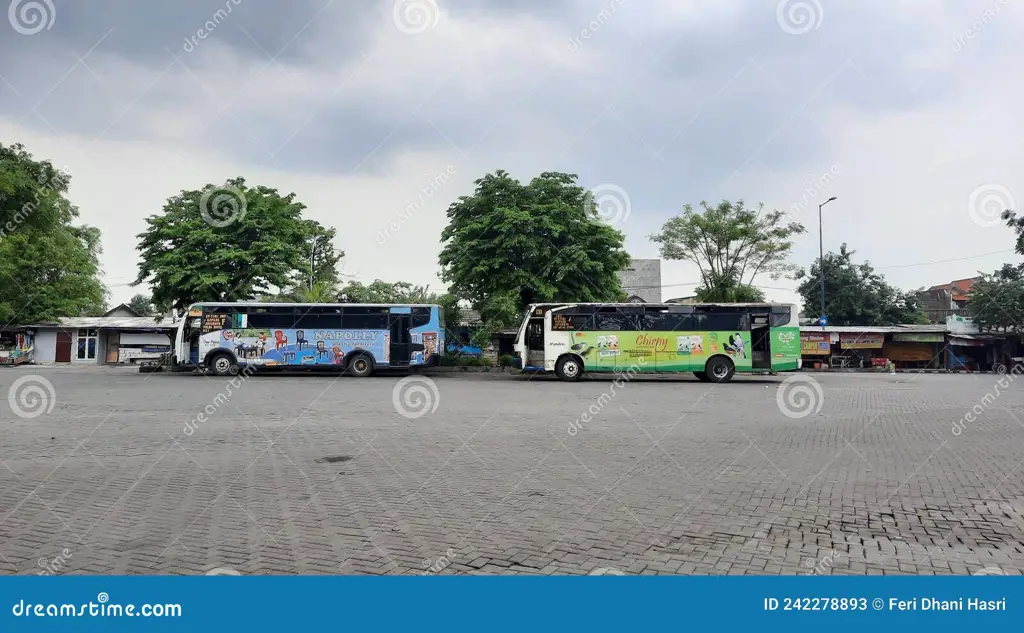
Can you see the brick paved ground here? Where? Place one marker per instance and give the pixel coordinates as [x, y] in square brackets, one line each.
[310, 475]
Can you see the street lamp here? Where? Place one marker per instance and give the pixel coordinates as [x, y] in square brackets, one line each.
[821, 254]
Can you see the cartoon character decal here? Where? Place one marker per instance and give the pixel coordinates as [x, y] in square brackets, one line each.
[736, 346]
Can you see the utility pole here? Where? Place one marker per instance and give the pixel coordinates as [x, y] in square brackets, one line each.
[821, 255]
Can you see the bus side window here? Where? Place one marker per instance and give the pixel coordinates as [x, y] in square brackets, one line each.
[781, 316]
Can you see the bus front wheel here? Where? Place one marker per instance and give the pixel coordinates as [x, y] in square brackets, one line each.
[569, 368]
[720, 369]
[223, 365]
[361, 366]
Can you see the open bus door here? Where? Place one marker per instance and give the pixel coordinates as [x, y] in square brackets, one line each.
[760, 341]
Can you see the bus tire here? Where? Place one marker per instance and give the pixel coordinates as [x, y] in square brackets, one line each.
[223, 364]
[720, 369]
[569, 368]
[702, 376]
[361, 366]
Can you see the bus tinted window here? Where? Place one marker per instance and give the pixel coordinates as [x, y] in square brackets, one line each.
[280, 318]
[616, 320]
[781, 316]
[319, 319]
[567, 321]
[722, 321]
[364, 319]
[666, 321]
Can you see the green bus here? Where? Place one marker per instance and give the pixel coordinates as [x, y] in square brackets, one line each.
[714, 341]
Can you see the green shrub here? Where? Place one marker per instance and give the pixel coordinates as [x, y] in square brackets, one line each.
[506, 360]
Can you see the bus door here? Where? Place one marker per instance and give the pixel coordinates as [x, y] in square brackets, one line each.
[760, 341]
[534, 342]
[401, 340]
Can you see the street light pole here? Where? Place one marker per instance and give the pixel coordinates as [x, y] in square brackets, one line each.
[821, 254]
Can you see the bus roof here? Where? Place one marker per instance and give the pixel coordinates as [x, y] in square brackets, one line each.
[661, 305]
[259, 304]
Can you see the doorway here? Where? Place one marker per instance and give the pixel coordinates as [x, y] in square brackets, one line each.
[760, 342]
[401, 341]
[63, 352]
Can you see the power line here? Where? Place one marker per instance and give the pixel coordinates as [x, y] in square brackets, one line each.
[946, 261]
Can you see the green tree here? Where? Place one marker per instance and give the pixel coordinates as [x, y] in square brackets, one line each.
[143, 304]
[49, 268]
[731, 245]
[856, 295]
[996, 301]
[224, 243]
[512, 244]
[320, 262]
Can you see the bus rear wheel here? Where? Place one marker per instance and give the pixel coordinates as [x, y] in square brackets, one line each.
[223, 365]
[720, 369]
[361, 366]
[569, 368]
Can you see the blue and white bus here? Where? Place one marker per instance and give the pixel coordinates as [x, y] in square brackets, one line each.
[224, 338]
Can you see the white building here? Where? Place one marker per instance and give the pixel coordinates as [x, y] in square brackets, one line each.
[641, 281]
[119, 336]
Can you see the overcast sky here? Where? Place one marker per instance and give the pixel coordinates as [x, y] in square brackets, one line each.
[908, 111]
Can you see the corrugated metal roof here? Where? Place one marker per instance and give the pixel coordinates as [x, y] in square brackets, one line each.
[120, 323]
[877, 329]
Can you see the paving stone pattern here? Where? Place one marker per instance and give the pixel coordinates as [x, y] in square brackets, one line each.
[320, 475]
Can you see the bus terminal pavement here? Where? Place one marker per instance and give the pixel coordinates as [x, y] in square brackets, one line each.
[111, 471]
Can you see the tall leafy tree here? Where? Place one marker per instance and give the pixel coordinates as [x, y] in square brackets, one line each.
[731, 244]
[320, 261]
[510, 244]
[223, 243]
[856, 295]
[143, 304]
[49, 268]
[996, 301]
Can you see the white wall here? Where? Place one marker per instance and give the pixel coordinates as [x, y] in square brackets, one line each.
[45, 345]
[144, 338]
